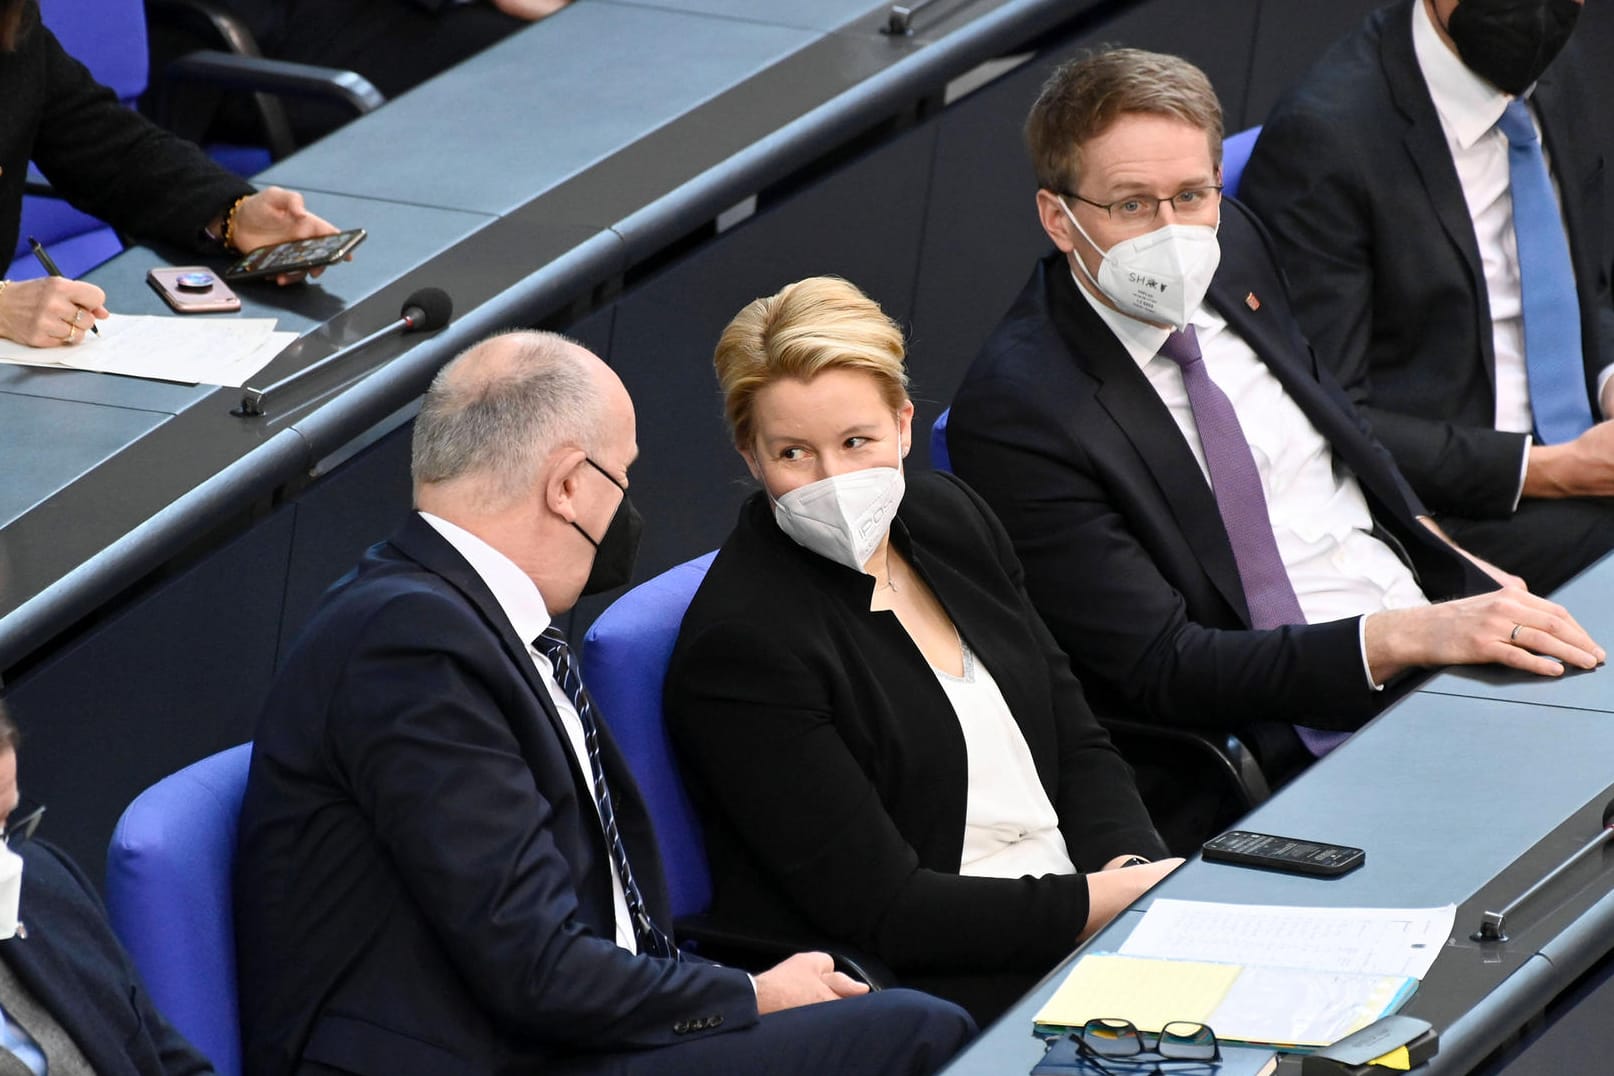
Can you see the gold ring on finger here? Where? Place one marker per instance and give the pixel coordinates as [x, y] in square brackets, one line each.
[78, 315]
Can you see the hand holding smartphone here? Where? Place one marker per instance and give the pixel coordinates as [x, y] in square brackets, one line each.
[296, 256]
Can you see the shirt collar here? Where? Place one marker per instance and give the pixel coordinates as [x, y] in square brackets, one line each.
[512, 588]
[1142, 340]
[1468, 105]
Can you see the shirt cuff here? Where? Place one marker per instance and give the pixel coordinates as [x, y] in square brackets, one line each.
[1361, 644]
[1602, 379]
[1524, 461]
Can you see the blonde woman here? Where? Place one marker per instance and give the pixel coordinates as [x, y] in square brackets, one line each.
[888, 747]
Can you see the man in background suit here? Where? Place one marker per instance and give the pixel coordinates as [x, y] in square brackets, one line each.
[69, 996]
[444, 863]
[1388, 181]
[1205, 522]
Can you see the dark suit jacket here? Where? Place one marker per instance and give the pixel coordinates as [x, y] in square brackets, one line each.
[80, 974]
[104, 158]
[1353, 176]
[1124, 550]
[422, 881]
[829, 763]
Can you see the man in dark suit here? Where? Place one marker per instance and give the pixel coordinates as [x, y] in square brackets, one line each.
[1213, 536]
[69, 997]
[1389, 183]
[444, 863]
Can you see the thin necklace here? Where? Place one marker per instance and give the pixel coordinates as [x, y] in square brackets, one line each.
[890, 580]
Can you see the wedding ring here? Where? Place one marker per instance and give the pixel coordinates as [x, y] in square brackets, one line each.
[78, 312]
[1513, 636]
[71, 329]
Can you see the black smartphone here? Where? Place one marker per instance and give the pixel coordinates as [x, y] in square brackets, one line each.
[299, 255]
[1282, 853]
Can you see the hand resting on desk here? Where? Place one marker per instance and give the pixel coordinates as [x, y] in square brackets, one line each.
[1111, 890]
[1507, 627]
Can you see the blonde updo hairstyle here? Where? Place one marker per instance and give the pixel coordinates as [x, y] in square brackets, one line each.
[821, 323]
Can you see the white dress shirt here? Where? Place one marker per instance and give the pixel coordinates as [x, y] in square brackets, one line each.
[524, 606]
[1010, 827]
[1319, 517]
[1469, 108]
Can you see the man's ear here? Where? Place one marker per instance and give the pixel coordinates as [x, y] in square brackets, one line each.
[560, 478]
[1051, 214]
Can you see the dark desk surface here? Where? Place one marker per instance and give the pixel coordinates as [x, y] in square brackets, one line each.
[1512, 802]
[518, 182]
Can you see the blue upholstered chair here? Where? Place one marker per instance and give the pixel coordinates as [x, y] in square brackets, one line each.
[1235, 155]
[940, 459]
[169, 898]
[625, 658]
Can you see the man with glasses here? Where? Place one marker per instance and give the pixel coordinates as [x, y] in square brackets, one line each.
[70, 1001]
[1206, 524]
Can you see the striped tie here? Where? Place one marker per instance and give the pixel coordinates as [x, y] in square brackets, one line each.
[552, 644]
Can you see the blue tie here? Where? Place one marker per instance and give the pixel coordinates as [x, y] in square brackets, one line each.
[1552, 354]
[552, 644]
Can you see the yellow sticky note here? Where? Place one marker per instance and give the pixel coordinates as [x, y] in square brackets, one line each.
[1397, 1059]
[1150, 993]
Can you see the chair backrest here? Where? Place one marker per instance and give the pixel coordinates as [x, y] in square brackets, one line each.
[1235, 155]
[625, 656]
[940, 458]
[169, 898]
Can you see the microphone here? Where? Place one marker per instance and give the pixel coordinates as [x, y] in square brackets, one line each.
[426, 310]
[1493, 924]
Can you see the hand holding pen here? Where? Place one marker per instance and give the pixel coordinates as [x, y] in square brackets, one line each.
[49, 312]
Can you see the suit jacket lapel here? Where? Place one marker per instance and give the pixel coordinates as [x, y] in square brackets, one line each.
[1425, 142]
[41, 969]
[421, 543]
[1145, 421]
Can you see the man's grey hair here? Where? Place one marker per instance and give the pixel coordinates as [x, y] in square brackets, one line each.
[497, 417]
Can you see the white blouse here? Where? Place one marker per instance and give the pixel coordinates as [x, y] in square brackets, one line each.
[1010, 827]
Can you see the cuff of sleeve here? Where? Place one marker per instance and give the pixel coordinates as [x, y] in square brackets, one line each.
[1602, 379]
[1524, 460]
[1361, 644]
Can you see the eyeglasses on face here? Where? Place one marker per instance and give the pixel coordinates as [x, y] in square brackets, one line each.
[1138, 210]
[22, 822]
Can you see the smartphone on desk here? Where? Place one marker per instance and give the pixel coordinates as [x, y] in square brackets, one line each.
[1288, 854]
[297, 256]
[193, 289]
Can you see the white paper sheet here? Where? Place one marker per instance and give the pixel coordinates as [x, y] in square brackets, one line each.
[211, 351]
[1376, 941]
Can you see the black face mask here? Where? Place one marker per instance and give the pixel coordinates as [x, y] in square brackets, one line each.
[1509, 43]
[618, 547]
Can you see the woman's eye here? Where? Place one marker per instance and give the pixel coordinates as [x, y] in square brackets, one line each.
[792, 454]
[856, 442]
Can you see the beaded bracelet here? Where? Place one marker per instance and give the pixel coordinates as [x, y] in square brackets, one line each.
[229, 223]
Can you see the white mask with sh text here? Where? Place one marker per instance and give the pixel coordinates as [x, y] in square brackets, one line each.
[1161, 276]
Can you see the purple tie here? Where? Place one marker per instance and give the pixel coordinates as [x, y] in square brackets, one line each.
[1243, 506]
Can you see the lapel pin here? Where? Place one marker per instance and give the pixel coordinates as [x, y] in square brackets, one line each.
[1252, 302]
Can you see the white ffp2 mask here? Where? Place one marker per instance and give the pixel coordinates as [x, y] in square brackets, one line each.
[843, 517]
[1161, 276]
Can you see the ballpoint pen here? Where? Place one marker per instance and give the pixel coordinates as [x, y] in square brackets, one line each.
[50, 267]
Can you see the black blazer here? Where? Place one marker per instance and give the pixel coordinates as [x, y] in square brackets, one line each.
[77, 970]
[422, 882]
[1353, 176]
[102, 157]
[1125, 553]
[829, 765]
